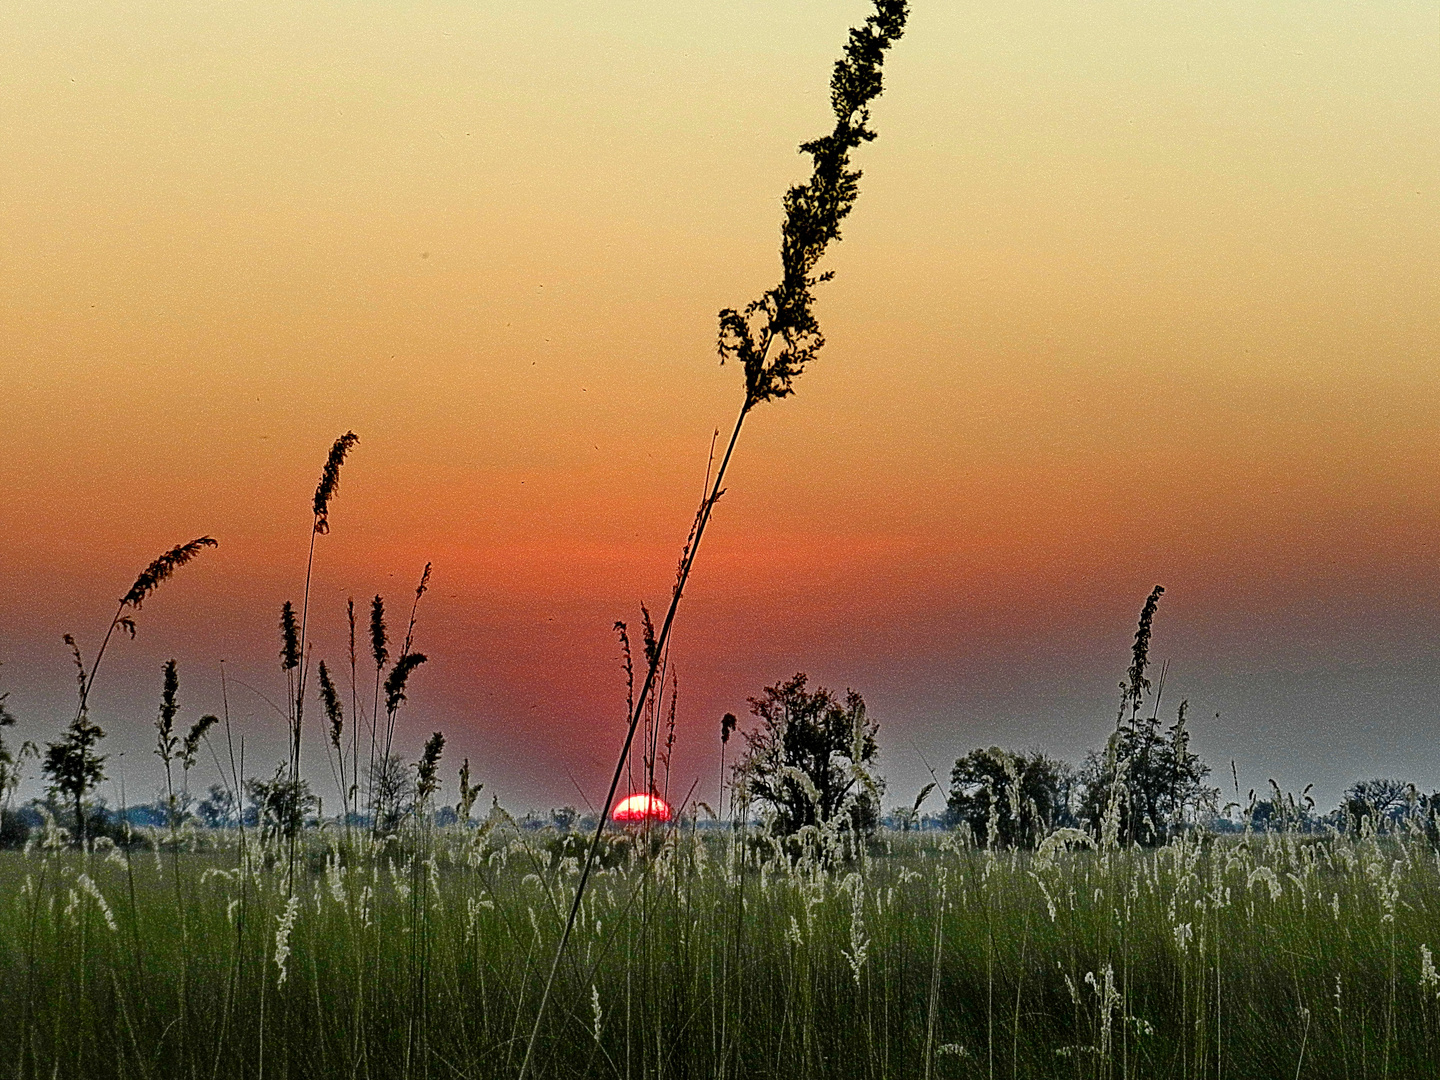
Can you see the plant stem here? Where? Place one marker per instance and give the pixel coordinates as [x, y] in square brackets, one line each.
[661, 641]
[304, 667]
[94, 666]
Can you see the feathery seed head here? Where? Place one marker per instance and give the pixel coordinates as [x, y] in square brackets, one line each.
[334, 712]
[289, 638]
[379, 640]
[285, 923]
[398, 677]
[160, 570]
[428, 768]
[468, 792]
[330, 480]
[813, 212]
[647, 631]
[166, 740]
[79, 664]
[1133, 690]
[197, 732]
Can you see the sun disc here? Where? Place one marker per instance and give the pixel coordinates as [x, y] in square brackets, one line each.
[641, 807]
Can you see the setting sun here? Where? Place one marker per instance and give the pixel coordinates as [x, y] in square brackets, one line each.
[637, 808]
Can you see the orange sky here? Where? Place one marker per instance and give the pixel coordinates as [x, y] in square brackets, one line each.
[1133, 294]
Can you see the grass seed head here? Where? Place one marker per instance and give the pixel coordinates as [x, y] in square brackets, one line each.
[161, 569]
[379, 639]
[398, 677]
[334, 711]
[289, 638]
[330, 480]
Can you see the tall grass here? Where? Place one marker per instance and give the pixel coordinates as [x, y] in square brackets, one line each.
[1267, 955]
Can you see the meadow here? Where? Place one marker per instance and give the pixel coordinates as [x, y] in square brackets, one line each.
[381, 944]
[702, 951]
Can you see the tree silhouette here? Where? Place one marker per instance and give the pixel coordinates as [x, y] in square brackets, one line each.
[810, 760]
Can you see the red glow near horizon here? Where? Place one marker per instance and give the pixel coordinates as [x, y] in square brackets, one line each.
[636, 808]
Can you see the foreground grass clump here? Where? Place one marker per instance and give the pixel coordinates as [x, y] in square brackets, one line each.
[1268, 955]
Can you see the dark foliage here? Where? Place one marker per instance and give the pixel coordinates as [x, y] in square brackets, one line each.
[1009, 799]
[218, 810]
[392, 789]
[10, 761]
[1387, 803]
[14, 829]
[282, 802]
[73, 766]
[811, 758]
[1151, 779]
[1147, 782]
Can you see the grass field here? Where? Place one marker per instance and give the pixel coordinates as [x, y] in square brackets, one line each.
[1273, 955]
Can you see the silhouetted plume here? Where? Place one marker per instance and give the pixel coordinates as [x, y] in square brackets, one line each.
[624, 632]
[350, 616]
[468, 792]
[1133, 690]
[813, 212]
[670, 723]
[924, 793]
[783, 315]
[419, 592]
[160, 570]
[289, 638]
[647, 631]
[330, 698]
[79, 665]
[399, 675]
[379, 641]
[169, 706]
[428, 767]
[194, 735]
[330, 479]
[727, 726]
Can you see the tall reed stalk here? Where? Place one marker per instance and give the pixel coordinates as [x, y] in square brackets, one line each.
[783, 316]
[297, 660]
[325, 490]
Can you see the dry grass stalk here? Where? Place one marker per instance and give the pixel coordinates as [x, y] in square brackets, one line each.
[783, 316]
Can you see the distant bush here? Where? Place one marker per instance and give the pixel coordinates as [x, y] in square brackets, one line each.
[1007, 799]
[811, 760]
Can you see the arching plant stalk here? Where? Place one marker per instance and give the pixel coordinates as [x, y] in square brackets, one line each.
[783, 318]
[149, 580]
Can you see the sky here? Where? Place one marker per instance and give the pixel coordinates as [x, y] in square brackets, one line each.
[1133, 294]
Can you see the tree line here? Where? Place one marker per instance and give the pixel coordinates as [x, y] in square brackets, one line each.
[812, 763]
